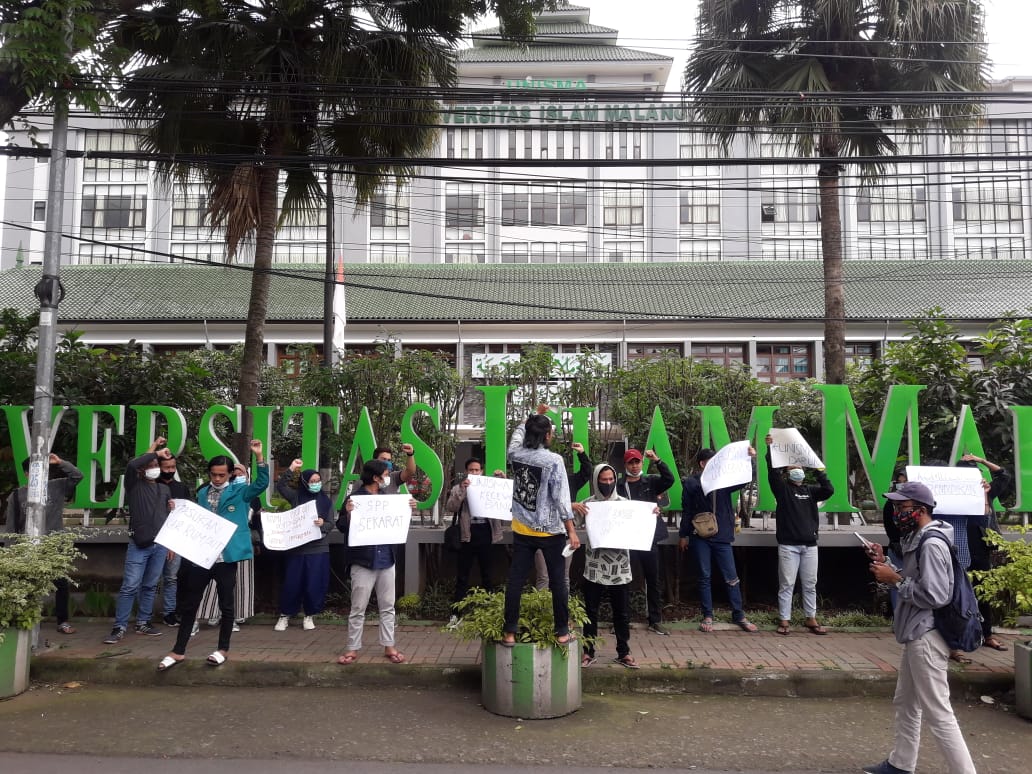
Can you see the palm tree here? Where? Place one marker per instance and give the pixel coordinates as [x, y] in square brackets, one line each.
[244, 92]
[763, 66]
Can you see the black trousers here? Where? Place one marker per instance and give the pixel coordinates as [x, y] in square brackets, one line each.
[649, 562]
[620, 600]
[193, 580]
[476, 551]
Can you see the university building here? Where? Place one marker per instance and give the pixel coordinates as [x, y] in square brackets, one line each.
[570, 202]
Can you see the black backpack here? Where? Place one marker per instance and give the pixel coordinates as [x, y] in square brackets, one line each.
[958, 621]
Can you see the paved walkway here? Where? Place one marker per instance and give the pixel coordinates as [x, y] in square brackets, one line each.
[840, 663]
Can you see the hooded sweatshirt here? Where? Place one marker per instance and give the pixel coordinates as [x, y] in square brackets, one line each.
[605, 566]
[299, 495]
[927, 584]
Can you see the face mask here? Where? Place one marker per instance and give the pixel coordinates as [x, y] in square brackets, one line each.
[152, 473]
[315, 488]
[240, 480]
[390, 465]
[386, 480]
[906, 521]
[796, 475]
[219, 487]
[167, 476]
[606, 490]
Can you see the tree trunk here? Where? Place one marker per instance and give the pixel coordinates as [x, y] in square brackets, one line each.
[834, 289]
[258, 308]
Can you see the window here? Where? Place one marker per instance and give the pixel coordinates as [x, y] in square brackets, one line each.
[573, 206]
[464, 143]
[464, 252]
[543, 252]
[514, 252]
[389, 215]
[464, 211]
[515, 205]
[783, 362]
[96, 169]
[530, 252]
[860, 355]
[790, 203]
[388, 252]
[189, 210]
[126, 253]
[623, 207]
[39, 211]
[988, 205]
[726, 355]
[699, 250]
[624, 251]
[544, 206]
[646, 351]
[892, 201]
[573, 252]
[120, 207]
[692, 145]
[790, 249]
[622, 143]
[699, 206]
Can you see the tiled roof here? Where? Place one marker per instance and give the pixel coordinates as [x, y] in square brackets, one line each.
[559, 53]
[880, 290]
[550, 30]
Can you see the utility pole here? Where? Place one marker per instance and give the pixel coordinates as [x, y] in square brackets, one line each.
[329, 282]
[50, 293]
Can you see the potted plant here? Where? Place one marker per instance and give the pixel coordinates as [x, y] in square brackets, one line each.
[28, 569]
[537, 678]
[1007, 587]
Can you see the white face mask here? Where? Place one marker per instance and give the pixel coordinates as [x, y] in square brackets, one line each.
[152, 473]
[215, 486]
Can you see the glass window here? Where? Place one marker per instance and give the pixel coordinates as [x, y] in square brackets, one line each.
[623, 206]
[39, 211]
[544, 206]
[573, 206]
[515, 206]
[722, 354]
[782, 362]
[464, 211]
[389, 215]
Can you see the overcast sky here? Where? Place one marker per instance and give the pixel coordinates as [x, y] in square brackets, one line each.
[667, 26]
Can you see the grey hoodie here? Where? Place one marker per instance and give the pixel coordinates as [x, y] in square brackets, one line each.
[605, 566]
[926, 586]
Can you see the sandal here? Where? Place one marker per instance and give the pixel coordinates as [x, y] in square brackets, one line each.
[746, 625]
[66, 628]
[168, 662]
[815, 628]
[626, 661]
[217, 658]
[960, 658]
[587, 660]
[564, 639]
[995, 644]
[508, 643]
[784, 628]
[347, 658]
[706, 625]
[397, 657]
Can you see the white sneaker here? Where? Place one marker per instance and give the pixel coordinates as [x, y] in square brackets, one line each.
[196, 628]
[236, 627]
[308, 624]
[281, 624]
[214, 621]
[453, 622]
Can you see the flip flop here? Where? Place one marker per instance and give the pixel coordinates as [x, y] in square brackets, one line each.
[587, 660]
[347, 658]
[507, 643]
[746, 625]
[816, 628]
[706, 625]
[959, 657]
[397, 657]
[627, 662]
[565, 639]
[168, 662]
[66, 628]
[216, 658]
[994, 643]
[784, 628]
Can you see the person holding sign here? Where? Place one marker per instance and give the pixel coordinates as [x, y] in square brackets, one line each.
[397, 476]
[541, 519]
[477, 535]
[797, 527]
[306, 569]
[372, 568]
[231, 500]
[607, 569]
[717, 546]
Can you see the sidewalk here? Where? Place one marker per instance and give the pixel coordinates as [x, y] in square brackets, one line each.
[727, 661]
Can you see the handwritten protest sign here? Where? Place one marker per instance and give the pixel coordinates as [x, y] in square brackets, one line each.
[957, 491]
[729, 467]
[490, 498]
[788, 447]
[621, 524]
[290, 529]
[195, 533]
[380, 520]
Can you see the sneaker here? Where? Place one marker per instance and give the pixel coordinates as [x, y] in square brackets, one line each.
[171, 619]
[453, 622]
[117, 633]
[308, 624]
[236, 626]
[215, 621]
[239, 620]
[281, 624]
[884, 768]
[658, 629]
[146, 628]
[196, 629]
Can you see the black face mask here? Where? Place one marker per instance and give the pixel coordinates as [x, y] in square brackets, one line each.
[166, 476]
[606, 490]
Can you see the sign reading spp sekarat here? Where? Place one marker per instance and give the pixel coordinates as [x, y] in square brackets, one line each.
[897, 434]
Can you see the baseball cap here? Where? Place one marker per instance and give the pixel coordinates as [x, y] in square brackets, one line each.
[913, 490]
[631, 455]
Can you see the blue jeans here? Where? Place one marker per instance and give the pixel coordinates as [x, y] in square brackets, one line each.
[143, 568]
[705, 552]
[796, 561]
[169, 584]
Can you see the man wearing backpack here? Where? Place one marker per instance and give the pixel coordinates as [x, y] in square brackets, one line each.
[925, 583]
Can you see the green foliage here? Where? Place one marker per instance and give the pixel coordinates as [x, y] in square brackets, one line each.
[483, 617]
[28, 569]
[1008, 587]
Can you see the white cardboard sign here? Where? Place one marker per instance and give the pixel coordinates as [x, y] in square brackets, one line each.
[195, 533]
[957, 491]
[290, 529]
[730, 466]
[489, 497]
[380, 520]
[788, 447]
[621, 524]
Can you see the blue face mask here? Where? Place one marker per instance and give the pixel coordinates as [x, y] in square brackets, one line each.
[390, 465]
[315, 488]
[240, 480]
[796, 475]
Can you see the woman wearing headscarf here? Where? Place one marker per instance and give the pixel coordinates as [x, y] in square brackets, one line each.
[306, 569]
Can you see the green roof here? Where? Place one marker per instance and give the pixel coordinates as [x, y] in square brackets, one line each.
[791, 290]
[559, 53]
[549, 30]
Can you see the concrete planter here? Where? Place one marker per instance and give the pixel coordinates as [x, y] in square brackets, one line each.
[526, 681]
[15, 654]
[1023, 678]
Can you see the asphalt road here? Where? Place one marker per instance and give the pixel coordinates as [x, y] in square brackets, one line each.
[308, 730]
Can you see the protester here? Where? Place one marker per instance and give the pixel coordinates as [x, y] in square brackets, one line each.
[372, 569]
[306, 569]
[230, 499]
[574, 481]
[398, 476]
[924, 584]
[633, 485]
[61, 482]
[476, 536]
[170, 573]
[148, 501]
[798, 524]
[607, 570]
[717, 547]
[541, 519]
